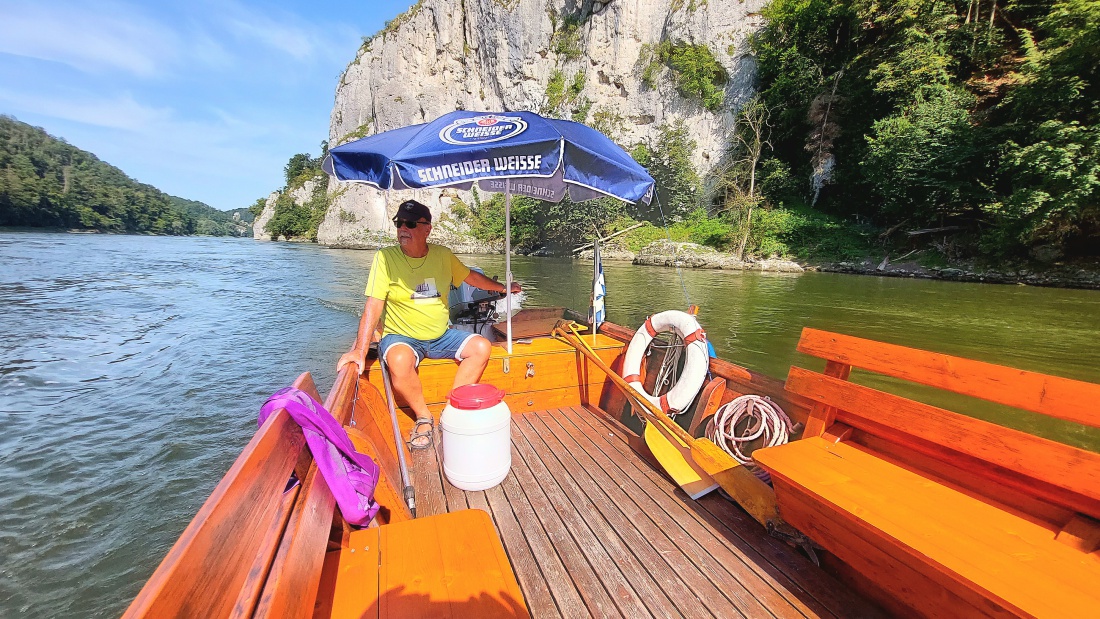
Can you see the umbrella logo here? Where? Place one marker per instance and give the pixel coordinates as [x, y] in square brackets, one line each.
[482, 129]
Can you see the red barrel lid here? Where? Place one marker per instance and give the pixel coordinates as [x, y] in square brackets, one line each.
[475, 397]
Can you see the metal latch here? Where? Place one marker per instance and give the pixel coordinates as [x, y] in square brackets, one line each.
[507, 365]
[530, 369]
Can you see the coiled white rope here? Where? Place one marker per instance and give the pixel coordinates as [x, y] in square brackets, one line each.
[765, 422]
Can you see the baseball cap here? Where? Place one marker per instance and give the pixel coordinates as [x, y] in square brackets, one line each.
[411, 210]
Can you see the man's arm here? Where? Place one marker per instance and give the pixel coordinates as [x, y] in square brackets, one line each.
[477, 280]
[358, 353]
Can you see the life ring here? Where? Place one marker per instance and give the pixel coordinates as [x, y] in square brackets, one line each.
[695, 367]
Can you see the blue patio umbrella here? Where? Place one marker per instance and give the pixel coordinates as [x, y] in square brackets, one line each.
[518, 153]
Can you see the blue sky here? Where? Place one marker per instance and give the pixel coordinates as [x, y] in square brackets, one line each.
[204, 100]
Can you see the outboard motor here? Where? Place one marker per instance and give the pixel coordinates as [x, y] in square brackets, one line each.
[473, 309]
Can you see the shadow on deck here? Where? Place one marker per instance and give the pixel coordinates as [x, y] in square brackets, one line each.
[592, 529]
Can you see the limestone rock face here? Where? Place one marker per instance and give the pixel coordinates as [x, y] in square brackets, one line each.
[300, 195]
[495, 55]
[258, 231]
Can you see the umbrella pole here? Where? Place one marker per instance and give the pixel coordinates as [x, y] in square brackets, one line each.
[508, 256]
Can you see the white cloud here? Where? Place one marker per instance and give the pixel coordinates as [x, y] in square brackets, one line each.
[120, 112]
[288, 33]
[90, 39]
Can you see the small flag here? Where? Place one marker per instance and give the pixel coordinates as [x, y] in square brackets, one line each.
[596, 314]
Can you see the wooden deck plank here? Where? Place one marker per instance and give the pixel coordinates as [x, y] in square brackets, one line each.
[530, 576]
[786, 570]
[663, 569]
[532, 504]
[709, 577]
[622, 575]
[426, 475]
[715, 582]
[737, 558]
[477, 500]
[556, 578]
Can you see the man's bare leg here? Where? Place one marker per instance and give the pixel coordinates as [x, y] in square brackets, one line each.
[475, 357]
[401, 362]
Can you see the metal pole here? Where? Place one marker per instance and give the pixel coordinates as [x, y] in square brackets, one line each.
[508, 256]
[410, 492]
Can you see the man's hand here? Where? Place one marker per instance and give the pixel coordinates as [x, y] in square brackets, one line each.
[356, 356]
[477, 280]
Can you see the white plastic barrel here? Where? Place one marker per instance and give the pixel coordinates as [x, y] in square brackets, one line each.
[477, 448]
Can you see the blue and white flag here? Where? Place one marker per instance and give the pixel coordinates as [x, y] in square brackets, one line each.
[596, 314]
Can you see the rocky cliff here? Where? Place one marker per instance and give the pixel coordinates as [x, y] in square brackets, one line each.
[492, 55]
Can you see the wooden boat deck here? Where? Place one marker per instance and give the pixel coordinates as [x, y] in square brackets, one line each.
[592, 529]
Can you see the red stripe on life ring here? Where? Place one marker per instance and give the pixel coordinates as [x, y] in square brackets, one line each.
[649, 328]
[664, 403]
[632, 377]
[697, 335]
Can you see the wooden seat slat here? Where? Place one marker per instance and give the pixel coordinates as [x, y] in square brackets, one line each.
[233, 524]
[1017, 458]
[1054, 396]
[422, 568]
[963, 539]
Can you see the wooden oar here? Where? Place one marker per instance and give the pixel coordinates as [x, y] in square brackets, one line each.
[756, 497]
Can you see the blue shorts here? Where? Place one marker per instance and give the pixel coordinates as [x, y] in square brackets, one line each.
[447, 346]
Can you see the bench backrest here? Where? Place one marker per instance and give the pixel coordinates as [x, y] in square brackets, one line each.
[976, 451]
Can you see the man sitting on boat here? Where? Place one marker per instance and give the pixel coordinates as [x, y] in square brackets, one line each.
[411, 281]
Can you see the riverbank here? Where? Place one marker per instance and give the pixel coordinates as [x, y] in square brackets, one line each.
[1082, 274]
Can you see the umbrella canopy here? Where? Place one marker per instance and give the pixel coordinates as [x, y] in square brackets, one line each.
[512, 152]
[548, 158]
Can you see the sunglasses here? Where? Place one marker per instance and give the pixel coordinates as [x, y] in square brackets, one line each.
[411, 225]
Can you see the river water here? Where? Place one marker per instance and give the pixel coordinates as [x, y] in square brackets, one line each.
[132, 369]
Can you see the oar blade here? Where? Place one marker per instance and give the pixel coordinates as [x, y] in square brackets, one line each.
[692, 479]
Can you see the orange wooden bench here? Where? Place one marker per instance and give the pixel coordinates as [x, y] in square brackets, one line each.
[946, 514]
[258, 549]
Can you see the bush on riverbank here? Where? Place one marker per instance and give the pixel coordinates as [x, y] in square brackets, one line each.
[980, 120]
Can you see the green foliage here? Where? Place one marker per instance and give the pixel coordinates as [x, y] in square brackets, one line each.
[917, 113]
[668, 160]
[258, 207]
[915, 160]
[716, 232]
[555, 92]
[361, 131]
[609, 121]
[697, 73]
[394, 24]
[300, 167]
[209, 221]
[778, 185]
[806, 234]
[295, 220]
[1055, 196]
[564, 94]
[46, 182]
[300, 221]
[566, 40]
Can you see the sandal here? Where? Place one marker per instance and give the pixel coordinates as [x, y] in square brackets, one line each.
[417, 433]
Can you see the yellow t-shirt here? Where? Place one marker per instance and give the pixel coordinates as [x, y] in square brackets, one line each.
[415, 290]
